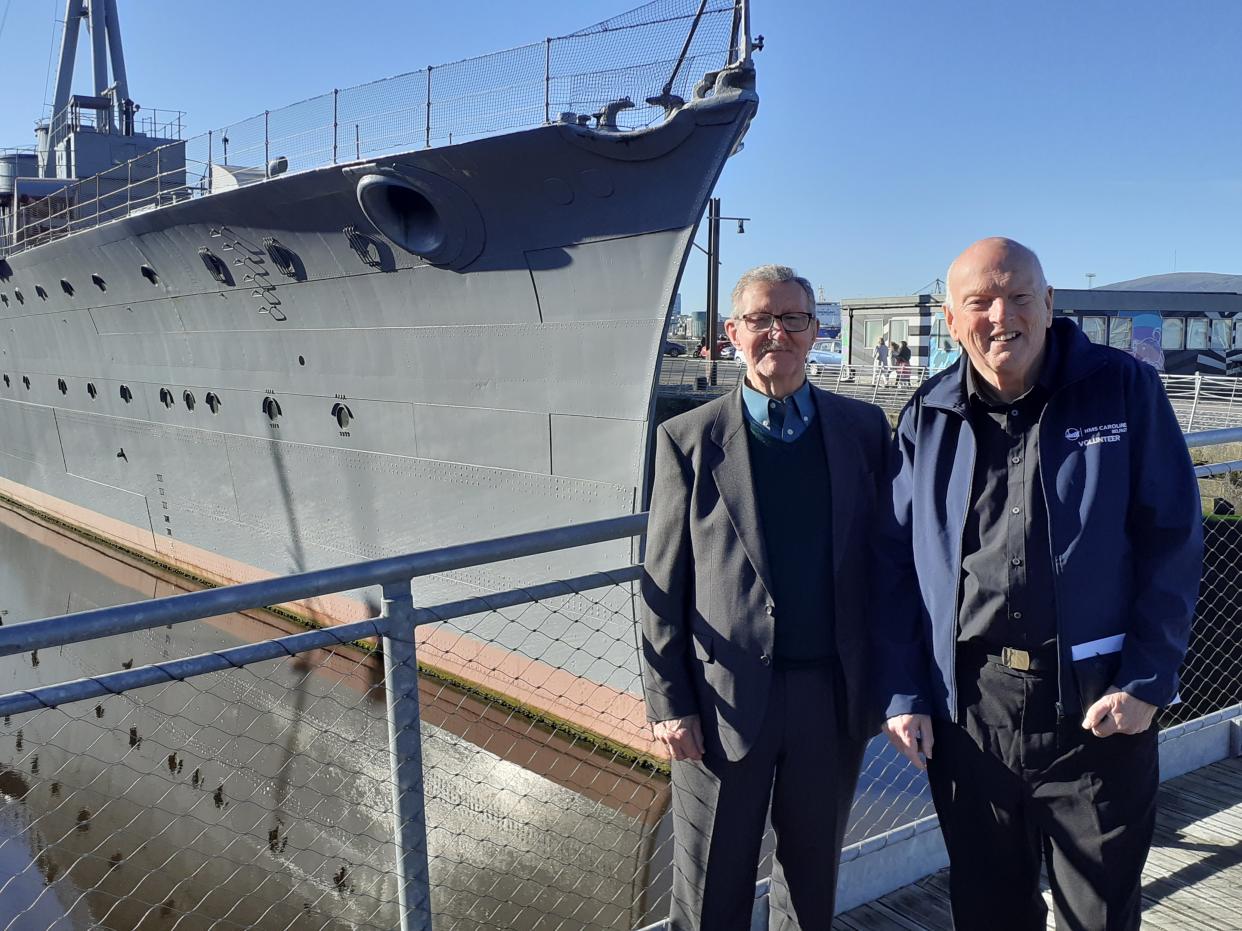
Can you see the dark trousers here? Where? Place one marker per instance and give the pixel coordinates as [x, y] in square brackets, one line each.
[805, 765]
[1012, 785]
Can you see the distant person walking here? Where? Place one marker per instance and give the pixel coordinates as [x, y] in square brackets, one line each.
[879, 360]
[903, 363]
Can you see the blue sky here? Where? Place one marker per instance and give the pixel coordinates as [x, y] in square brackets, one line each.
[891, 133]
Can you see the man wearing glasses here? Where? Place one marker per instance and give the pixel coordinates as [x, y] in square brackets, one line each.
[756, 665]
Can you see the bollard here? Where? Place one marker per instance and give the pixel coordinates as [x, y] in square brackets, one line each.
[406, 758]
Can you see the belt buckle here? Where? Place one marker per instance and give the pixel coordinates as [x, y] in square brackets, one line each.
[1016, 659]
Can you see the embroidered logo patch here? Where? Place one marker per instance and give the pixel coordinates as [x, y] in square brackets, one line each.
[1101, 433]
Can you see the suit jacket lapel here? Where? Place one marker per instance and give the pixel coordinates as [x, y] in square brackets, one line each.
[734, 477]
[845, 470]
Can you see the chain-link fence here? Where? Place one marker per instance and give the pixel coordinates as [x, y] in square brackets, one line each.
[252, 785]
[625, 73]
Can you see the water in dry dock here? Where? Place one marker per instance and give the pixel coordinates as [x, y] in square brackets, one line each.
[259, 798]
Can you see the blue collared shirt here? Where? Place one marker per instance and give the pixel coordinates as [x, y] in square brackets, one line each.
[786, 420]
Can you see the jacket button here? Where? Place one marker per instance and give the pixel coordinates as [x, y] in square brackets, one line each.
[765, 659]
[770, 609]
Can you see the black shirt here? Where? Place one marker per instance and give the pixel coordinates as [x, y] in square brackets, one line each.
[1007, 595]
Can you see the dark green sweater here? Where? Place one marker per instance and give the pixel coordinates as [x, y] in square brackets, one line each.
[795, 510]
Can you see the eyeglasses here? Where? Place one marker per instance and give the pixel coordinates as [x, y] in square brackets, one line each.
[790, 323]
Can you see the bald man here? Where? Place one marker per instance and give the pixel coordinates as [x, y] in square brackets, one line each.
[1046, 502]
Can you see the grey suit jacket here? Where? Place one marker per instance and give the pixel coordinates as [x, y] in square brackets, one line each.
[709, 618]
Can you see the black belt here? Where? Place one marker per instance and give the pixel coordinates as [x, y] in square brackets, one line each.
[1022, 660]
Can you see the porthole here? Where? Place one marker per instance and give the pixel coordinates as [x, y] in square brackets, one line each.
[126, 394]
[90, 389]
[149, 273]
[271, 407]
[343, 415]
[166, 397]
[64, 388]
[26, 381]
[301, 360]
[6, 381]
[17, 293]
[188, 398]
[5, 298]
[97, 281]
[41, 291]
[213, 402]
[66, 286]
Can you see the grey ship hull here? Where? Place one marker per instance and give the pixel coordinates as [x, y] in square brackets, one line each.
[511, 393]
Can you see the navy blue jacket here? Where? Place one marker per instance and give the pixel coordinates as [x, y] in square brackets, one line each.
[1124, 519]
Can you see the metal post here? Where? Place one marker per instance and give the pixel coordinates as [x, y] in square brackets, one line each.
[159, 180]
[713, 284]
[357, 143]
[1194, 404]
[209, 157]
[428, 136]
[547, 80]
[406, 758]
[335, 124]
[267, 152]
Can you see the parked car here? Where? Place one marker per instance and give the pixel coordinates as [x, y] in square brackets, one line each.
[824, 353]
[673, 349]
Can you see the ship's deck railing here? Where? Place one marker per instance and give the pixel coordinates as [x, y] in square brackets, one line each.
[659, 50]
[158, 124]
[1200, 401]
[508, 781]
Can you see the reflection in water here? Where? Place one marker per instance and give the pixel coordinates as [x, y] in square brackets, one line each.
[259, 798]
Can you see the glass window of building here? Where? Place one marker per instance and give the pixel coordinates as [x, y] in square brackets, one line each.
[940, 338]
[1172, 333]
[872, 331]
[1222, 334]
[1197, 333]
[898, 330]
[1237, 334]
[1095, 328]
[1121, 333]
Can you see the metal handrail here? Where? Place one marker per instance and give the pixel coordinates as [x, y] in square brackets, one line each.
[1214, 437]
[395, 626]
[177, 609]
[114, 683]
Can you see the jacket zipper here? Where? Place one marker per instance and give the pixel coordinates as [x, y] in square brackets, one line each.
[1056, 569]
[957, 588]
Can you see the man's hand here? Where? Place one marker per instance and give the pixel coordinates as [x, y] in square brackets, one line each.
[1118, 712]
[682, 736]
[912, 735]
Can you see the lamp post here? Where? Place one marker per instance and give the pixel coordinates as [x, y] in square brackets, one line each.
[713, 279]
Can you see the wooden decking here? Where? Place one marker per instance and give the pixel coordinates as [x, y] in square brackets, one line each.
[1193, 878]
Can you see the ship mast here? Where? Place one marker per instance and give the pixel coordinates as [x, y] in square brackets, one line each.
[110, 98]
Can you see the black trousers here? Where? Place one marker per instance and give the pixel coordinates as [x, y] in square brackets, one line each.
[1013, 785]
[808, 769]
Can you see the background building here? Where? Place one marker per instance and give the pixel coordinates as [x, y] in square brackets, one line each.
[1180, 323]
